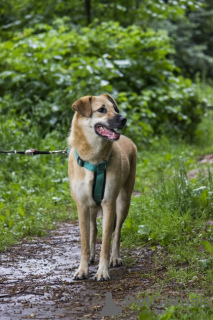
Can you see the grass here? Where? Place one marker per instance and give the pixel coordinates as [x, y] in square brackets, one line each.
[34, 191]
[173, 215]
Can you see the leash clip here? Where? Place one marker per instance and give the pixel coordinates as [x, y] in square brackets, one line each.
[30, 152]
[66, 151]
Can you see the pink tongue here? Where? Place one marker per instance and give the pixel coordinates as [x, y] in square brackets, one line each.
[108, 133]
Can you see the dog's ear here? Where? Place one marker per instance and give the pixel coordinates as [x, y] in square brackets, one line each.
[110, 98]
[83, 106]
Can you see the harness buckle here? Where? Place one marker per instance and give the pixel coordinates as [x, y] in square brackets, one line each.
[101, 166]
[80, 162]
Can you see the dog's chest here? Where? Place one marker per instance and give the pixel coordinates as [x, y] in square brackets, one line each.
[82, 189]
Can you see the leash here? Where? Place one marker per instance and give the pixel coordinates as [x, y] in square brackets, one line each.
[98, 169]
[33, 152]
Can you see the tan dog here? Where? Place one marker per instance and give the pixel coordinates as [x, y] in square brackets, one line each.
[94, 137]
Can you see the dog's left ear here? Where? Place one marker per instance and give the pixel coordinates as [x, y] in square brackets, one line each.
[83, 106]
[110, 98]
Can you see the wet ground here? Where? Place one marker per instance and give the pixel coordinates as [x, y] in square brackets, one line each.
[36, 279]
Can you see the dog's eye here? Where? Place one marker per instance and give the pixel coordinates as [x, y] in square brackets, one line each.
[102, 110]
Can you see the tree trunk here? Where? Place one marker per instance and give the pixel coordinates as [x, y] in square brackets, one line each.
[88, 10]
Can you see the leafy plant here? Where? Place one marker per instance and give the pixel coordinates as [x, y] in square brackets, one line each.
[43, 73]
[34, 191]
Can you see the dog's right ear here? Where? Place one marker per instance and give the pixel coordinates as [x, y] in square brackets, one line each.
[83, 106]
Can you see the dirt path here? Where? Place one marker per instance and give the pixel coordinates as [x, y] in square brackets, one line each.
[36, 279]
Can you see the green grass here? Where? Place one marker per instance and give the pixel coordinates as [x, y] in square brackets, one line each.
[174, 216]
[188, 308]
[34, 191]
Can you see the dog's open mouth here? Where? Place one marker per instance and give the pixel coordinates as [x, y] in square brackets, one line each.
[106, 133]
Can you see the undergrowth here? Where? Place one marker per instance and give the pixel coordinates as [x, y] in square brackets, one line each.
[173, 214]
[34, 191]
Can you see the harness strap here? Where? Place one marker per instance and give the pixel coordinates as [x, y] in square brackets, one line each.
[99, 176]
[99, 184]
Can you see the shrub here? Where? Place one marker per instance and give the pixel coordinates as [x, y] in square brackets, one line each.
[45, 69]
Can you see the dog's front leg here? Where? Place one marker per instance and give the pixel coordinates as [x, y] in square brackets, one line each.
[84, 221]
[108, 222]
[93, 233]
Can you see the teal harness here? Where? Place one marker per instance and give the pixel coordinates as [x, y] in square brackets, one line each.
[99, 176]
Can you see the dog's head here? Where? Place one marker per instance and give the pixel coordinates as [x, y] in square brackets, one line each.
[102, 115]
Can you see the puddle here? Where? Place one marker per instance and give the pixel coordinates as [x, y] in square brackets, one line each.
[36, 279]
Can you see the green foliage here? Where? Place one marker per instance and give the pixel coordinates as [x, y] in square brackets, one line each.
[208, 247]
[164, 214]
[192, 309]
[20, 14]
[171, 209]
[170, 216]
[189, 23]
[45, 69]
[193, 41]
[149, 12]
[34, 191]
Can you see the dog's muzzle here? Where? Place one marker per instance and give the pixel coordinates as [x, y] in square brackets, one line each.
[108, 131]
[117, 122]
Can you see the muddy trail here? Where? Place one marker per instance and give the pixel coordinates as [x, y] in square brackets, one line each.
[36, 279]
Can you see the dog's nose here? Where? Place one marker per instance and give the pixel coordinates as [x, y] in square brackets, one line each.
[123, 121]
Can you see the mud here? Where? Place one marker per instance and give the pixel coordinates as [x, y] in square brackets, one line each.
[36, 279]
[207, 159]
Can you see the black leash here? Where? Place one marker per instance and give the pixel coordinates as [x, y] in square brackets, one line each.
[33, 152]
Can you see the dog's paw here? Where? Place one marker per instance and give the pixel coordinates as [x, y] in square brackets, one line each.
[81, 274]
[102, 275]
[115, 262]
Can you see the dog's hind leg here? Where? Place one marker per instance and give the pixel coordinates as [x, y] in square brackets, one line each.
[122, 208]
[93, 233]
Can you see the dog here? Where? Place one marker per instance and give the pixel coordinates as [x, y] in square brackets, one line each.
[93, 139]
